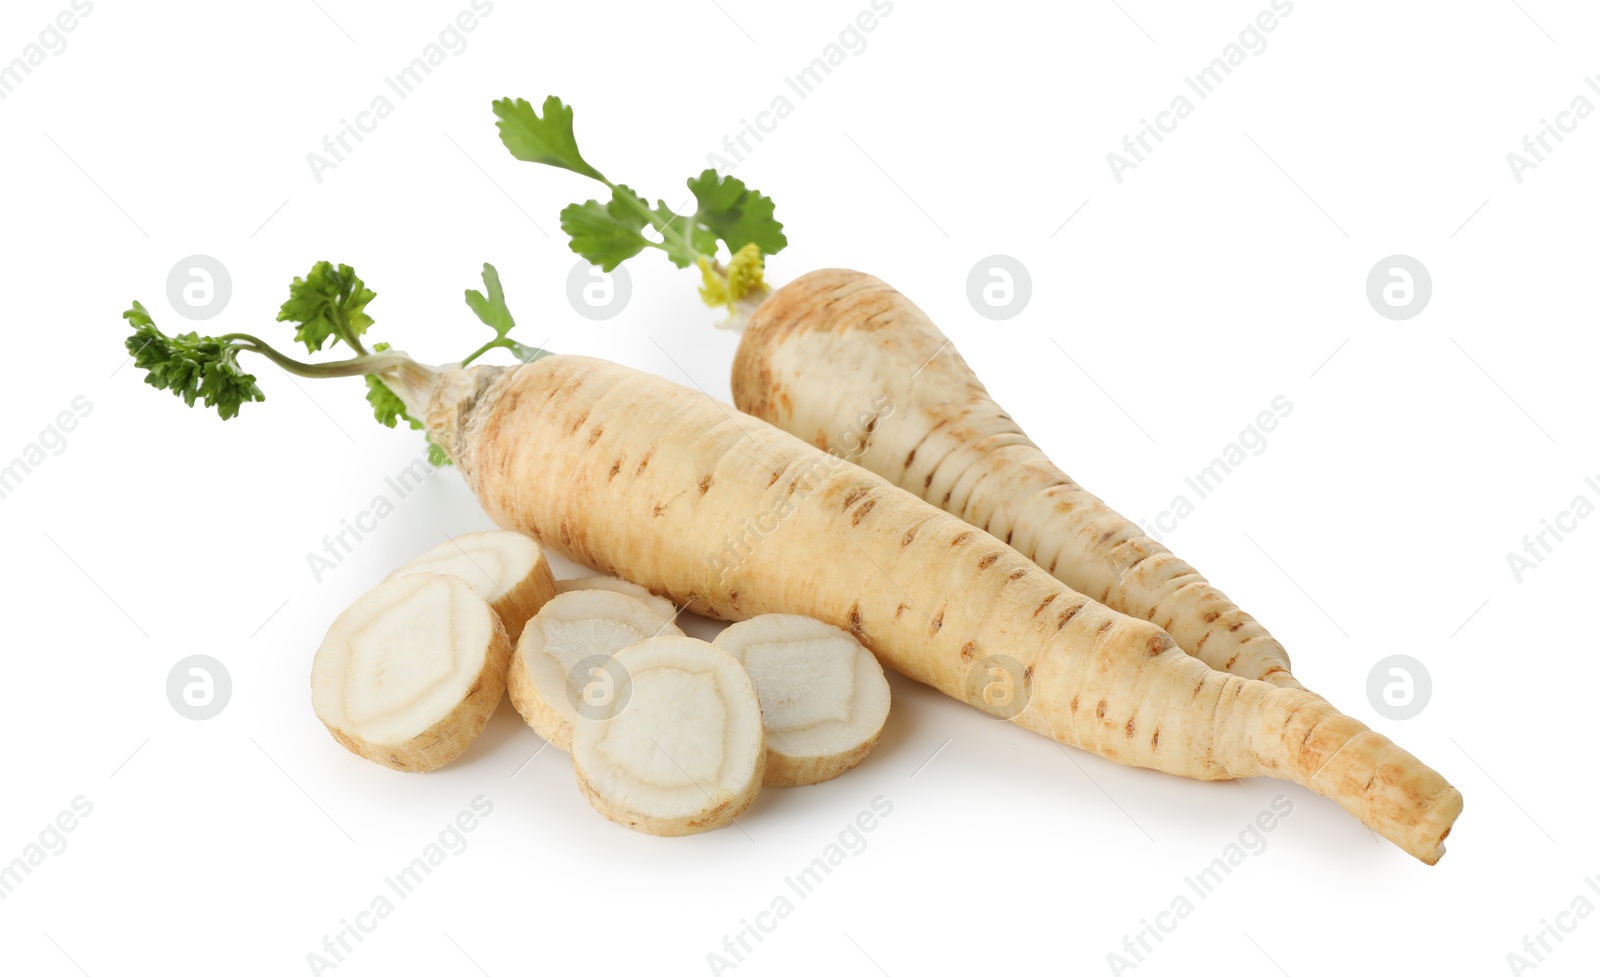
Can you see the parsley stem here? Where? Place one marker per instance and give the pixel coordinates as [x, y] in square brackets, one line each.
[354, 367]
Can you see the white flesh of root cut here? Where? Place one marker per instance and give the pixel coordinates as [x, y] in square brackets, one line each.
[583, 624]
[824, 698]
[410, 673]
[679, 748]
[660, 605]
[506, 569]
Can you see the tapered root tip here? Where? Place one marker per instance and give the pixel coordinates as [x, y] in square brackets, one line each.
[1435, 826]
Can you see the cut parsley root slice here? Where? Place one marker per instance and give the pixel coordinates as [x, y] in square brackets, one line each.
[409, 674]
[506, 569]
[678, 748]
[561, 659]
[824, 699]
[660, 605]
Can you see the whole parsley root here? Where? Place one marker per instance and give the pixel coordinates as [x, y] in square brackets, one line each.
[946, 440]
[632, 474]
[820, 351]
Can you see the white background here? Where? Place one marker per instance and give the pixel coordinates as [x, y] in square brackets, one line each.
[1225, 270]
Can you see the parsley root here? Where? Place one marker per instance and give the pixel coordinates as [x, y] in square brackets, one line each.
[679, 750]
[410, 673]
[506, 569]
[950, 443]
[619, 469]
[823, 696]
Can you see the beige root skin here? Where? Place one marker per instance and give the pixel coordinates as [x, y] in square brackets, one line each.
[656, 477]
[450, 735]
[947, 441]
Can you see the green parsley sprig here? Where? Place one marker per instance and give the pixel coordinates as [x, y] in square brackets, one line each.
[328, 307]
[609, 232]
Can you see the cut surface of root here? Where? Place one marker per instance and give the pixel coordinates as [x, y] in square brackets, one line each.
[562, 658]
[506, 569]
[664, 608]
[409, 674]
[824, 698]
[677, 748]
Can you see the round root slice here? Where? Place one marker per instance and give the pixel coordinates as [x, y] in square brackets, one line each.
[565, 650]
[676, 747]
[506, 569]
[660, 605]
[824, 699]
[410, 673]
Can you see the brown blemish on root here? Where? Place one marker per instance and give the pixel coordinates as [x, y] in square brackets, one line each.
[616, 466]
[855, 619]
[1044, 603]
[1074, 704]
[967, 650]
[595, 435]
[937, 623]
[1211, 617]
[1128, 729]
[578, 423]
[1067, 615]
[910, 535]
[988, 561]
[1235, 625]
[705, 485]
[645, 461]
[960, 538]
[1155, 738]
[855, 520]
[899, 611]
[854, 495]
[1100, 709]
[1104, 626]
[1202, 642]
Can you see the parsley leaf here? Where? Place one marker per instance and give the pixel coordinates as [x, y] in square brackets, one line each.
[193, 367]
[735, 213]
[329, 304]
[548, 139]
[610, 233]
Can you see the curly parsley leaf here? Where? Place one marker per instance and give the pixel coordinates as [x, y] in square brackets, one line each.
[193, 367]
[546, 139]
[329, 304]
